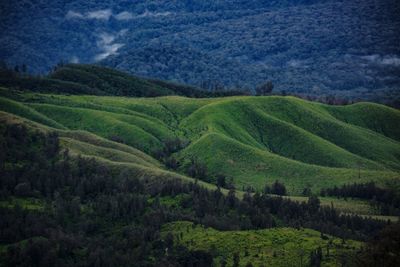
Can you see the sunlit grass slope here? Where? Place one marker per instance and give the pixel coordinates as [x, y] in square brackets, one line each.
[254, 140]
[115, 155]
[141, 165]
[269, 247]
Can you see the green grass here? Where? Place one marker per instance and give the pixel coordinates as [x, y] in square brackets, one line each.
[271, 247]
[19, 109]
[111, 154]
[142, 165]
[117, 149]
[254, 140]
[25, 203]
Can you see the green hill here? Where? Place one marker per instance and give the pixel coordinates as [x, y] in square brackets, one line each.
[253, 140]
[96, 80]
[270, 247]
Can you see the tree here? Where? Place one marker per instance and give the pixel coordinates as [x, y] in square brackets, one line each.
[24, 68]
[313, 203]
[223, 262]
[278, 188]
[306, 192]
[316, 257]
[171, 163]
[236, 259]
[265, 88]
[384, 249]
[197, 169]
[221, 182]
[22, 189]
[267, 189]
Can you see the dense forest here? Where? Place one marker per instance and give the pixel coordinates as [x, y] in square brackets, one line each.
[386, 199]
[88, 214]
[321, 47]
[97, 80]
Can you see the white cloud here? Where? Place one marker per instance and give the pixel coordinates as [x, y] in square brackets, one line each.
[124, 16]
[106, 43]
[393, 61]
[122, 32]
[388, 60]
[105, 39]
[74, 60]
[108, 51]
[153, 14]
[74, 15]
[104, 14]
[294, 63]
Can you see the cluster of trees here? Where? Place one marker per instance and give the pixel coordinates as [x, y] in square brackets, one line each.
[73, 78]
[17, 68]
[169, 147]
[316, 257]
[265, 88]
[93, 215]
[386, 199]
[383, 249]
[276, 188]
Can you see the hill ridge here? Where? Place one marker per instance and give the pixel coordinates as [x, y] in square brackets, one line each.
[251, 139]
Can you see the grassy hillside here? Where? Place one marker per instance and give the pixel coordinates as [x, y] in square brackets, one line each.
[120, 155]
[97, 80]
[112, 154]
[254, 140]
[54, 200]
[269, 247]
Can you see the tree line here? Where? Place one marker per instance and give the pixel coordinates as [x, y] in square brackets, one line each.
[386, 199]
[96, 215]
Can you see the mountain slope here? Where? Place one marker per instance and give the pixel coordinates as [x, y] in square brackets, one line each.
[254, 140]
[319, 47]
[97, 80]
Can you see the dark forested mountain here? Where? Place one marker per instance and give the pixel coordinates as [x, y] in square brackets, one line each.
[83, 79]
[346, 48]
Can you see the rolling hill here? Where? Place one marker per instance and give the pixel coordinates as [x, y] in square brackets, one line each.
[151, 144]
[254, 140]
[98, 80]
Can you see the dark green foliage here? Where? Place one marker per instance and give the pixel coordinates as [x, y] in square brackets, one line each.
[221, 180]
[278, 188]
[97, 80]
[236, 259]
[384, 249]
[316, 257]
[169, 147]
[310, 45]
[265, 88]
[306, 192]
[14, 80]
[95, 215]
[197, 169]
[386, 199]
[313, 203]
